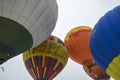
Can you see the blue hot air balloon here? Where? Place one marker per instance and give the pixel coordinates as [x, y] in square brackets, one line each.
[105, 42]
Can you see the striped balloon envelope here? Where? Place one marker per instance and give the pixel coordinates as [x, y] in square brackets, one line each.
[105, 42]
[47, 60]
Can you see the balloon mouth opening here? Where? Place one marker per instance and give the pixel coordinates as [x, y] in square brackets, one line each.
[5, 53]
[40, 79]
[88, 62]
[2, 60]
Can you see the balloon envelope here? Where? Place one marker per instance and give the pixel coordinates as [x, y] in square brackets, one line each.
[105, 42]
[45, 61]
[24, 24]
[76, 42]
[95, 72]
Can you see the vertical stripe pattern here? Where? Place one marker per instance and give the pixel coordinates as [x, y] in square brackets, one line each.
[46, 70]
[47, 60]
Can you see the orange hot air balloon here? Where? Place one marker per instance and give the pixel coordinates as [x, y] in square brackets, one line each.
[76, 41]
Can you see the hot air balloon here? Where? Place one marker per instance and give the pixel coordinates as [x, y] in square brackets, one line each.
[105, 42]
[45, 61]
[24, 24]
[77, 43]
[95, 72]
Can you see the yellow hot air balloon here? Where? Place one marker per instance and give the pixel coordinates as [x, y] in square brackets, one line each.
[24, 24]
[45, 61]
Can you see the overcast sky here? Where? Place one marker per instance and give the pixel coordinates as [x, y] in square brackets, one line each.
[72, 13]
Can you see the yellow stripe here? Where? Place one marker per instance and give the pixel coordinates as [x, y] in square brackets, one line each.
[33, 61]
[53, 75]
[75, 30]
[34, 76]
[38, 72]
[114, 68]
[44, 72]
[43, 61]
[56, 65]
